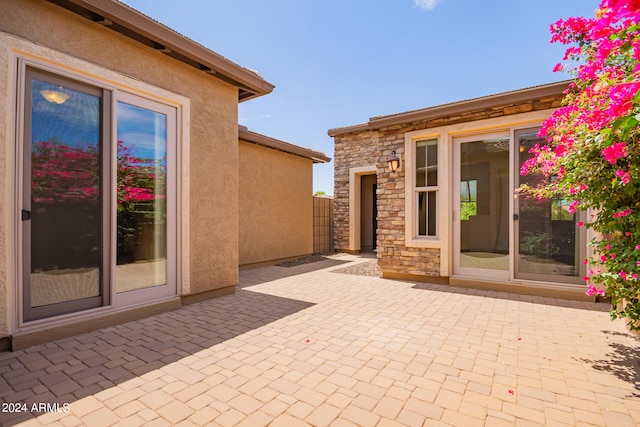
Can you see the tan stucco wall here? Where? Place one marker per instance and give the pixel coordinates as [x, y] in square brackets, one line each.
[43, 30]
[276, 204]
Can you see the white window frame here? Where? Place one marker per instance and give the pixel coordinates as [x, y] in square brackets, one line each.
[425, 189]
[170, 288]
[412, 239]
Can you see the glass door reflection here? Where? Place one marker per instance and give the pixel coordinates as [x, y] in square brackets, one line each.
[483, 204]
[141, 198]
[62, 215]
[548, 238]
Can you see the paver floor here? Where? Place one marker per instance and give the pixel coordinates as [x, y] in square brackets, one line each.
[307, 345]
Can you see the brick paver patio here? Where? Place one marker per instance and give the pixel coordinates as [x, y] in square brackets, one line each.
[306, 345]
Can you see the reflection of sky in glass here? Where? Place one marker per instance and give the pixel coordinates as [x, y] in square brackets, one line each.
[75, 123]
[143, 131]
[469, 190]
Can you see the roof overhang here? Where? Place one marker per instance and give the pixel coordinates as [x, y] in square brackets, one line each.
[460, 107]
[128, 21]
[246, 135]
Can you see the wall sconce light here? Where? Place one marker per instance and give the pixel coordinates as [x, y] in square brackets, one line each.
[393, 162]
[54, 96]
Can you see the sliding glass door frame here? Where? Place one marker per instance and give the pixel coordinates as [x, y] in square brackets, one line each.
[459, 267]
[164, 252]
[544, 264]
[516, 270]
[31, 311]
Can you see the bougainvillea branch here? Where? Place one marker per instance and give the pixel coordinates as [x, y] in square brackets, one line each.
[592, 158]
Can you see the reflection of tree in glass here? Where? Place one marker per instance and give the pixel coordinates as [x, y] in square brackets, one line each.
[65, 201]
[66, 180]
[141, 196]
[139, 180]
[61, 173]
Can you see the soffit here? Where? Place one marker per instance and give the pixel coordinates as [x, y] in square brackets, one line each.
[128, 21]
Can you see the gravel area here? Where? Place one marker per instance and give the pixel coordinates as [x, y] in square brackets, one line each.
[304, 260]
[367, 268]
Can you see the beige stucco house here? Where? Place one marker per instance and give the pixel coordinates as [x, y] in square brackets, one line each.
[450, 213]
[127, 186]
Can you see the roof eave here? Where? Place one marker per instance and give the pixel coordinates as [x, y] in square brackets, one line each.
[349, 129]
[142, 28]
[475, 104]
[460, 107]
[266, 141]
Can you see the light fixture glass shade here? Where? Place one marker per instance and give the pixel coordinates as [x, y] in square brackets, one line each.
[54, 96]
[393, 162]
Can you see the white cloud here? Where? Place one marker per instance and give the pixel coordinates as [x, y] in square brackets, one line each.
[267, 116]
[427, 4]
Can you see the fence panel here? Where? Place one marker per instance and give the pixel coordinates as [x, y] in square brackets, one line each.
[322, 225]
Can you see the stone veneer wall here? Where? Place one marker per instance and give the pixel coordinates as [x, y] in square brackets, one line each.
[350, 151]
[373, 147]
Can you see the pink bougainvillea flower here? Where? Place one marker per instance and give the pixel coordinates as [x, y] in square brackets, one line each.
[511, 391]
[623, 213]
[593, 290]
[613, 152]
[580, 224]
[622, 9]
[575, 189]
[624, 176]
[621, 97]
[560, 150]
[623, 274]
[572, 206]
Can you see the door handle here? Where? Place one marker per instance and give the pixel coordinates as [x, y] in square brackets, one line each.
[26, 215]
[516, 217]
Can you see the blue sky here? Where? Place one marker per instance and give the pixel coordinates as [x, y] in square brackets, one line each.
[337, 63]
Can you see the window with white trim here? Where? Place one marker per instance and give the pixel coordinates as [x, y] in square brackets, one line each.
[426, 187]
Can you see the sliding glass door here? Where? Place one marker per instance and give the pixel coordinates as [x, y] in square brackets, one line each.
[64, 197]
[145, 188]
[550, 245]
[501, 236]
[98, 214]
[481, 205]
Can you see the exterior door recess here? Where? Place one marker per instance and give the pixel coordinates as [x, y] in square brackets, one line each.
[368, 213]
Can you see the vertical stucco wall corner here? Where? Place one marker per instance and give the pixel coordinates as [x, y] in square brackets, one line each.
[214, 188]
